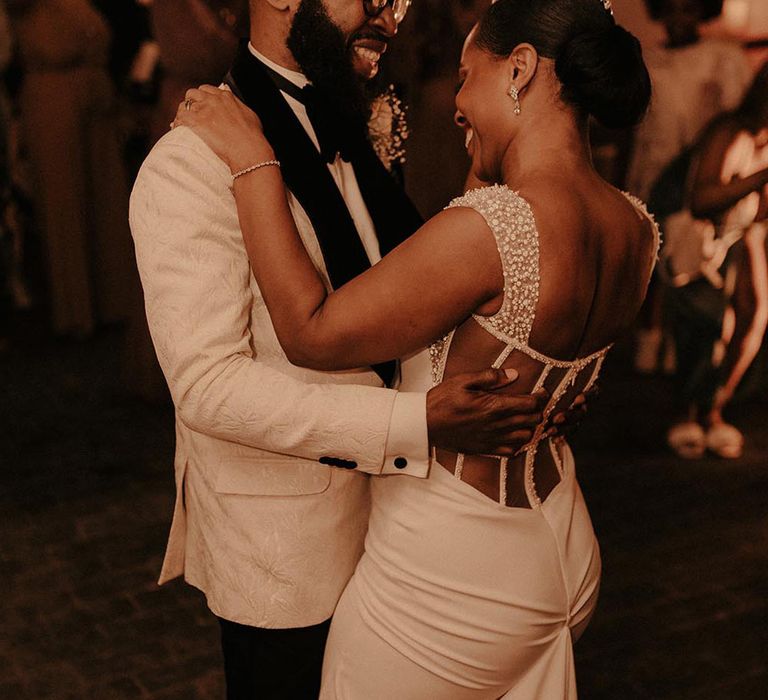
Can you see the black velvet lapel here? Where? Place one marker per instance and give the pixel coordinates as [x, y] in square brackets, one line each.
[304, 172]
[306, 176]
[393, 214]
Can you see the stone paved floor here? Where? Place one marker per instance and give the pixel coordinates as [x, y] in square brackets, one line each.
[86, 495]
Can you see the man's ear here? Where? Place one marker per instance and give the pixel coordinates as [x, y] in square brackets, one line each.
[523, 63]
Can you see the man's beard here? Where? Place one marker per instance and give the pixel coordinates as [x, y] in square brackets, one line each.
[320, 49]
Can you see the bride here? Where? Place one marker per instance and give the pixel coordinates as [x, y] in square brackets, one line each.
[475, 581]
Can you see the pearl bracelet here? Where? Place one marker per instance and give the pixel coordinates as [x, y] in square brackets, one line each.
[256, 166]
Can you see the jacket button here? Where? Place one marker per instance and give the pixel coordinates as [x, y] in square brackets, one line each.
[401, 462]
[338, 462]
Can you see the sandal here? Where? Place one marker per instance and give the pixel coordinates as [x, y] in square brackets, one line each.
[725, 441]
[687, 440]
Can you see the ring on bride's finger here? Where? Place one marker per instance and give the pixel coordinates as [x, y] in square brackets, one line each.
[187, 105]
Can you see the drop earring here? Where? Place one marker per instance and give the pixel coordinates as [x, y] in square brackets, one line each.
[515, 95]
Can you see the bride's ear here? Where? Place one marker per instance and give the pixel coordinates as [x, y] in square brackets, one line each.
[522, 65]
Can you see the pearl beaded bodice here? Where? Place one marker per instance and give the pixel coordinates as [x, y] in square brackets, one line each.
[512, 223]
[510, 218]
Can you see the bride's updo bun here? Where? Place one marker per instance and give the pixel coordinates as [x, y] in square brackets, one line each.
[603, 74]
[599, 64]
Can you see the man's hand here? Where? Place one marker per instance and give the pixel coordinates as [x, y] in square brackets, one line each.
[473, 414]
[565, 422]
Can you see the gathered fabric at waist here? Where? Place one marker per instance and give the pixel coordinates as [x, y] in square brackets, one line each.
[461, 584]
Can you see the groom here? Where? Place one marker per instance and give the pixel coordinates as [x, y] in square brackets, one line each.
[272, 460]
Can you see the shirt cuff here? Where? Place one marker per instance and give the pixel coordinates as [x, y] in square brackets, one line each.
[407, 449]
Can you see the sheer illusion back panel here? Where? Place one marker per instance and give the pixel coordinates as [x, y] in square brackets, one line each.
[502, 340]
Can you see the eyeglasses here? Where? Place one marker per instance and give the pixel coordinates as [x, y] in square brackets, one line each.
[373, 8]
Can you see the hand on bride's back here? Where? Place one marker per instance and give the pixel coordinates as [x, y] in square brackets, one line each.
[229, 128]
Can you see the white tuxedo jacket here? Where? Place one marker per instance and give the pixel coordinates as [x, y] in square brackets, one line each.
[269, 533]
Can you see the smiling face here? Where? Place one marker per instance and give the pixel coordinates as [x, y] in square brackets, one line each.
[338, 48]
[482, 110]
[368, 43]
[365, 38]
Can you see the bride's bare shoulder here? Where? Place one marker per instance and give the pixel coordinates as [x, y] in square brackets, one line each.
[591, 205]
[465, 216]
[556, 205]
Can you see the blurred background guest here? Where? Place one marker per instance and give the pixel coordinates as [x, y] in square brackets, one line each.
[425, 68]
[68, 120]
[197, 40]
[5, 178]
[133, 68]
[129, 24]
[695, 79]
[14, 292]
[720, 318]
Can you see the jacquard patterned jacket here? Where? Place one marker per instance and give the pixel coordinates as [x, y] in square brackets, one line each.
[260, 525]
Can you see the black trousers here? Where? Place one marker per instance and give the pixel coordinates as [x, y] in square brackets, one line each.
[273, 664]
[695, 314]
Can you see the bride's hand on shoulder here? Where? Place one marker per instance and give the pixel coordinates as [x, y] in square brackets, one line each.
[229, 128]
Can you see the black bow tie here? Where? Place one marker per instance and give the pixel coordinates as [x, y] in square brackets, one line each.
[335, 133]
[307, 177]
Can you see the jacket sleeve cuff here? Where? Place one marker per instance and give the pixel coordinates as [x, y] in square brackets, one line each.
[407, 448]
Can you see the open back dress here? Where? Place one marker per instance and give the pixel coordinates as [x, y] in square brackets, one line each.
[459, 595]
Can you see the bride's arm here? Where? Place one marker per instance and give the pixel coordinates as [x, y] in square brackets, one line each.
[415, 295]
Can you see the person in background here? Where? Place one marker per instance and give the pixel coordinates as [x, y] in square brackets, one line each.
[133, 67]
[695, 79]
[129, 24]
[436, 167]
[5, 179]
[14, 290]
[197, 40]
[68, 123]
[729, 188]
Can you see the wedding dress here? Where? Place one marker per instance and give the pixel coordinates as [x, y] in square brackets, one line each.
[457, 595]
